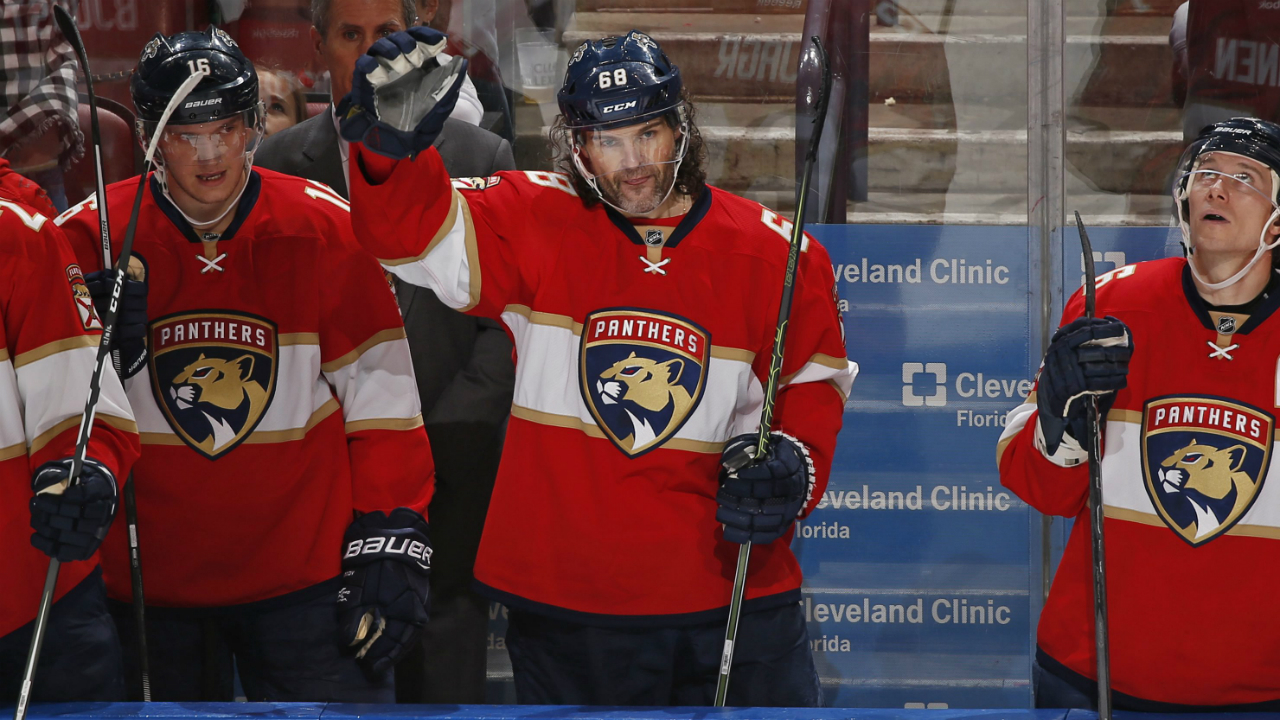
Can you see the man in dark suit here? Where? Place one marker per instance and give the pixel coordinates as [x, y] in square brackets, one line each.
[463, 364]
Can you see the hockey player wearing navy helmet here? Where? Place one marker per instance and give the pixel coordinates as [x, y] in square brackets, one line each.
[642, 302]
[1181, 354]
[626, 133]
[282, 501]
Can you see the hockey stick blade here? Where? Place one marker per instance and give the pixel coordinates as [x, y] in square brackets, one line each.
[775, 364]
[1102, 635]
[91, 404]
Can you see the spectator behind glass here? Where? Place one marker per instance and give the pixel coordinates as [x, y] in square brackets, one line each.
[39, 131]
[283, 97]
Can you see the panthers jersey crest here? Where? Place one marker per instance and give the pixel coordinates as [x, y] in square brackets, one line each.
[1205, 460]
[643, 373]
[213, 374]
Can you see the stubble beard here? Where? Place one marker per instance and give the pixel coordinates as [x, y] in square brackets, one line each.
[613, 188]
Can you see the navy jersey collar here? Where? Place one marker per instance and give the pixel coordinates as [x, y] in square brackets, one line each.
[247, 200]
[691, 219]
[1264, 310]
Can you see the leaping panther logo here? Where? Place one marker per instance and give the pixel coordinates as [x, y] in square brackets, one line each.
[213, 374]
[1209, 480]
[652, 388]
[223, 392]
[1205, 461]
[642, 375]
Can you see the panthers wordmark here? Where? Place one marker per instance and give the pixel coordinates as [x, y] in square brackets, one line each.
[1205, 460]
[214, 374]
[642, 373]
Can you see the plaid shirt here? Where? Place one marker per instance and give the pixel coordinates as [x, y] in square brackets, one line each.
[38, 78]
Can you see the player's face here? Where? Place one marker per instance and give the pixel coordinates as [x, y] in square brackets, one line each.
[1229, 206]
[204, 164]
[633, 165]
[354, 25]
[280, 101]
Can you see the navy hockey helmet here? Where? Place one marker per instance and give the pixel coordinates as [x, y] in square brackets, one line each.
[230, 88]
[1252, 138]
[617, 80]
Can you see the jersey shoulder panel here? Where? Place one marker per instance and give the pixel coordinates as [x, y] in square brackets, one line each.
[290, 205]
[1139, 287]
[754, 229]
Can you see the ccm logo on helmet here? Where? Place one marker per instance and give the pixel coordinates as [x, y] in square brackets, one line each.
[203, 103]
[374, 545]
[618, 106]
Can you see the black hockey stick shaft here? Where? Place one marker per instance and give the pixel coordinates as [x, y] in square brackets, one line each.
[1102, 635]
[91, 404]
[775, 364]
[69, 30]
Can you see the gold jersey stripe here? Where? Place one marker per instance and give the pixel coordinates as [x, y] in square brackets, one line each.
[301, 338]
[591, 430]
[384, 424]
[13, 451]
[261, 437]
[1239, 530]
[54, 348]
[444, 230]
[826, 361]
[388, 335]
[45, 437]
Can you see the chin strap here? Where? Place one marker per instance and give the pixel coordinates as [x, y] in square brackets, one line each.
[1184, 223]
[235, 201]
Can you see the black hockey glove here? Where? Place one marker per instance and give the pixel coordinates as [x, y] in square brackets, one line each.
[70, 522]
[401, 94]
[130, 337]
[759, 501]
[383, 601]
[1087, 356]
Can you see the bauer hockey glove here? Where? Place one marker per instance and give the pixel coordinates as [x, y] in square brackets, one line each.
[70, 521]
[383, 601]
[401, 94]
[1087, 356]
[130, 335]
[759, 501]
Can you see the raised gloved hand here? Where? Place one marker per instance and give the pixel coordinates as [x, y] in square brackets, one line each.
[401, 94]
[70, 521]
[130, 336]
[1087, 356]
[762, 497]
[386, 571]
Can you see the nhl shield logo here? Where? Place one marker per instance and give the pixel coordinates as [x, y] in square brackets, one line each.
[643, 373]
[213, 374]
[1205, 460]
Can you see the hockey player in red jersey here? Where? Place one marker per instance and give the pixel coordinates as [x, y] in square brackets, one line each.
[267, 363]
[1183, 358]
[642, 303]
[48, 342]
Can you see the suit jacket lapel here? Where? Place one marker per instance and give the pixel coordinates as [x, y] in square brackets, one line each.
[321, 148]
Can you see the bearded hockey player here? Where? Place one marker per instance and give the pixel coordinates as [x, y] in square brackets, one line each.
[266, 360]
[48, 343]
[1183, 359]
[642, 303]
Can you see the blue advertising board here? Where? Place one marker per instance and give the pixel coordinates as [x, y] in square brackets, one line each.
[923, 575]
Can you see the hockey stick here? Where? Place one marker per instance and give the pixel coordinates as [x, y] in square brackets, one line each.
[775, 367]
[95, 391]
[1102, 636]
[72, 33]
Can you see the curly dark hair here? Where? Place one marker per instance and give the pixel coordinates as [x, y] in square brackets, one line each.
[691, 178]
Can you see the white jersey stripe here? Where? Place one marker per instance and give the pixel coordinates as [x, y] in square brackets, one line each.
[43, 386]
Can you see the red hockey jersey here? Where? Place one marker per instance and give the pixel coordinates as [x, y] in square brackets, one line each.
[278, 396]
[1233, 55]
[48, 344]
[1193, 516]
[640, 351]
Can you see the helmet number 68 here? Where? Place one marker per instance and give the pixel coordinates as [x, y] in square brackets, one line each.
[609, 79]
[199, 66]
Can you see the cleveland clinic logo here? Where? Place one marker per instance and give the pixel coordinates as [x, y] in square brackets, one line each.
[924, 384]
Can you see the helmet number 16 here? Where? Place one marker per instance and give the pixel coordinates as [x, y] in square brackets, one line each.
[199, 66]
[609, 79]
